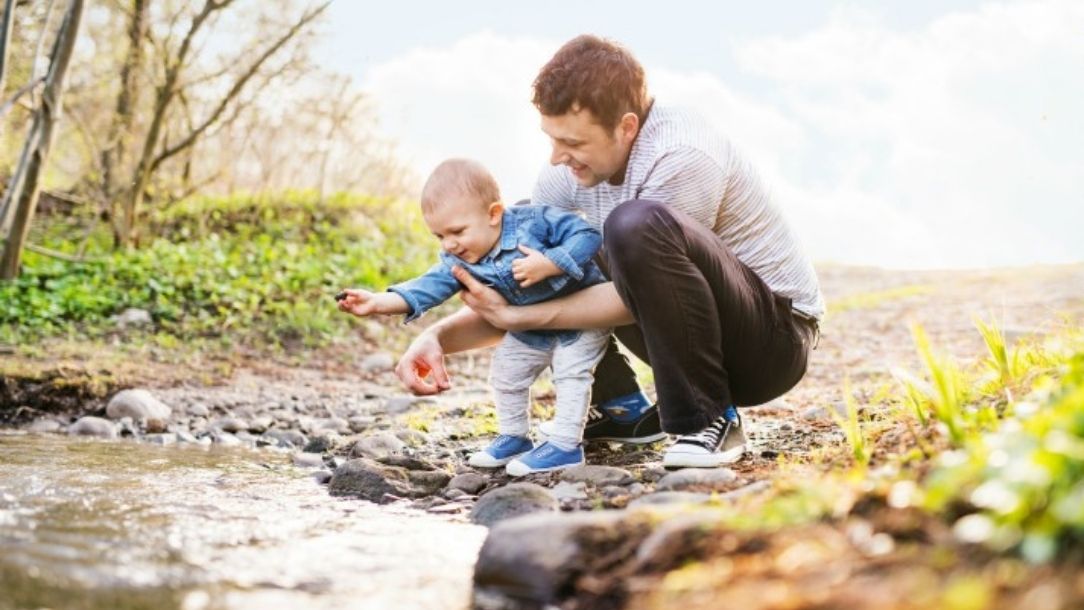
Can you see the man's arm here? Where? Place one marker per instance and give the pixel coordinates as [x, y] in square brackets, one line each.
[596, 306]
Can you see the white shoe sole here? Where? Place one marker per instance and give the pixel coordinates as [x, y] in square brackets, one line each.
[517, 468]
[482, 459]
[700, 459]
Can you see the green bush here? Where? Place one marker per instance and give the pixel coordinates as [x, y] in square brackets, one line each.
[257, 267]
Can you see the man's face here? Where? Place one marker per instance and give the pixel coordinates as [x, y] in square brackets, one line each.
[465, 227]
[592, 152]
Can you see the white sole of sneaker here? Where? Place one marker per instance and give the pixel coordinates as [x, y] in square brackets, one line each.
[517, 468]
[700, 459]
[482, 459]
[642, 440]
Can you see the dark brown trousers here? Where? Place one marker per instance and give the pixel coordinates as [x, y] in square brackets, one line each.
[712, 331]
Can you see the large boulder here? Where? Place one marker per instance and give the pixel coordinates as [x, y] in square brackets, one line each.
[370, 481]
[139, 404]
[93, 426]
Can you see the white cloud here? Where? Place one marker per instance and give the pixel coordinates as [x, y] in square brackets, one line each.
[957, 144]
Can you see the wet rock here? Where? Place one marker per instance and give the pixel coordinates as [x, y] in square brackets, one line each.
[161, 439]
[44, 425]
[184, 436]
[377, 363]
[369, 480]
[412, 438]
[598, 476]
[536, 558]
[670, 497]
[702, 479]
[468, 482]
[308, 460]
[381, 444]
[93, 426]
[221, 437]
[512, 501]
[137, 404]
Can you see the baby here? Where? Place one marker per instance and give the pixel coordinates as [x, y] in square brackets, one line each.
[528, 253]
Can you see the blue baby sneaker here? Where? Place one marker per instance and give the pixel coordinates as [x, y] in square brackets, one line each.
[544, 458]
[502, 450]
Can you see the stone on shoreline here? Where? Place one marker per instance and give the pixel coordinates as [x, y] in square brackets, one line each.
[510, 501]
[597, 475]
[381, 444]
[698, 479]
[137, 404]
[93, 426]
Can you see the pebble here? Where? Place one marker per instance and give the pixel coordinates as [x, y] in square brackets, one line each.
[468, 483]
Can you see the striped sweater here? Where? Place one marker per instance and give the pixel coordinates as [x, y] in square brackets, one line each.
[681, 160]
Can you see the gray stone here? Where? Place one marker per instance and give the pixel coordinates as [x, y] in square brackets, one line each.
[670, 497]
[330, 424]
[44, 425]
[381, 444]
[289, 438]
[413, 438]
[512, 501]
[198, 410]
[133, 317]
[321, 444]
[570, 491]
[161, 439]
[597, 475]
[700, 479]
[454, 494]
[822, 413]
[369, 480]
[231, 424]
[406, 461]
[399, 404]
[308, 460]
[260, 424]
[93, 426]
[221, 437]
[535, 558]
[427, 482]
[361, 423]
[184, 436]
[137, 404]
[323, 477]
[468, 482]
[377, 363]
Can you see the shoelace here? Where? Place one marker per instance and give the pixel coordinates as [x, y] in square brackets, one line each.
[594, 414]
[710, 438]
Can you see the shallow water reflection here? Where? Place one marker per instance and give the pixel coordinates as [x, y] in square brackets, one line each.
[93, 524]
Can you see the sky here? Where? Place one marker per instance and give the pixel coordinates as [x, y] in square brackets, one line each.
[919, 134]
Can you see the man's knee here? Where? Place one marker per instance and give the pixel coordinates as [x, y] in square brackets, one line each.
[629, 223]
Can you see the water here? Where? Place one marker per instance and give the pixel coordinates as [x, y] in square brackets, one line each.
[95, 524]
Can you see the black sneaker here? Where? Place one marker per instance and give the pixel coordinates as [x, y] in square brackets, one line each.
[601, 426]
[723, 442]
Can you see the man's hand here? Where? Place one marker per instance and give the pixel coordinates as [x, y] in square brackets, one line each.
[485, 301]
[421, 369]
[533, 268]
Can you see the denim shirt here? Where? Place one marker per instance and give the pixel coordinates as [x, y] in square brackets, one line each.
[562, 237]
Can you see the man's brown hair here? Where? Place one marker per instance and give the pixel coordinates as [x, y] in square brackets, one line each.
[596, 74]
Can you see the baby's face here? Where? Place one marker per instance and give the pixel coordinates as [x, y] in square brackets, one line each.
[465, 227]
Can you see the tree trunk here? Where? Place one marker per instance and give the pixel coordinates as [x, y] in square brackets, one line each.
[44, 122]
[5, 40]
[120, 130]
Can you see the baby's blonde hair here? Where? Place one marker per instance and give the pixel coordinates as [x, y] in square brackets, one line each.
[463, 177]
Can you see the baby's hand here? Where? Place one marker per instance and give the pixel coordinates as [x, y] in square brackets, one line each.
[358, 302]
[533, 268]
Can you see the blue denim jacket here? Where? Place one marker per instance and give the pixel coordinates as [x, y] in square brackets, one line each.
[564, 238]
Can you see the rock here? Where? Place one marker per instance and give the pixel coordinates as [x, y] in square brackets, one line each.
[308, 460]
[678, 537]
[260, 424]
[331, 424]
[446, 509]
[44, 425]
[155, 425]
[406, 461]
[361, 423]
[93, 426]
[454, 494]
[670, 497]
[322, 476]
[230, 424]
[752, 488]
[287, 438]
[221, 437]
[161, 439]
[133, 317]
[512, 501]
[428, 482]
[198, 410]
[137, 404]
[536, 558]
[703, 479]
[377, 363]
[821, 413]
[569, 491]
[369, 480]
[320, 444]
[653, 473]
[381, 444]
[598, 476]
[184, 436]
[468, 482]
[412, 438]
[399, 404]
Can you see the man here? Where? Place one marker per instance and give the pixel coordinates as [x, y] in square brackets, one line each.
[708, 283]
